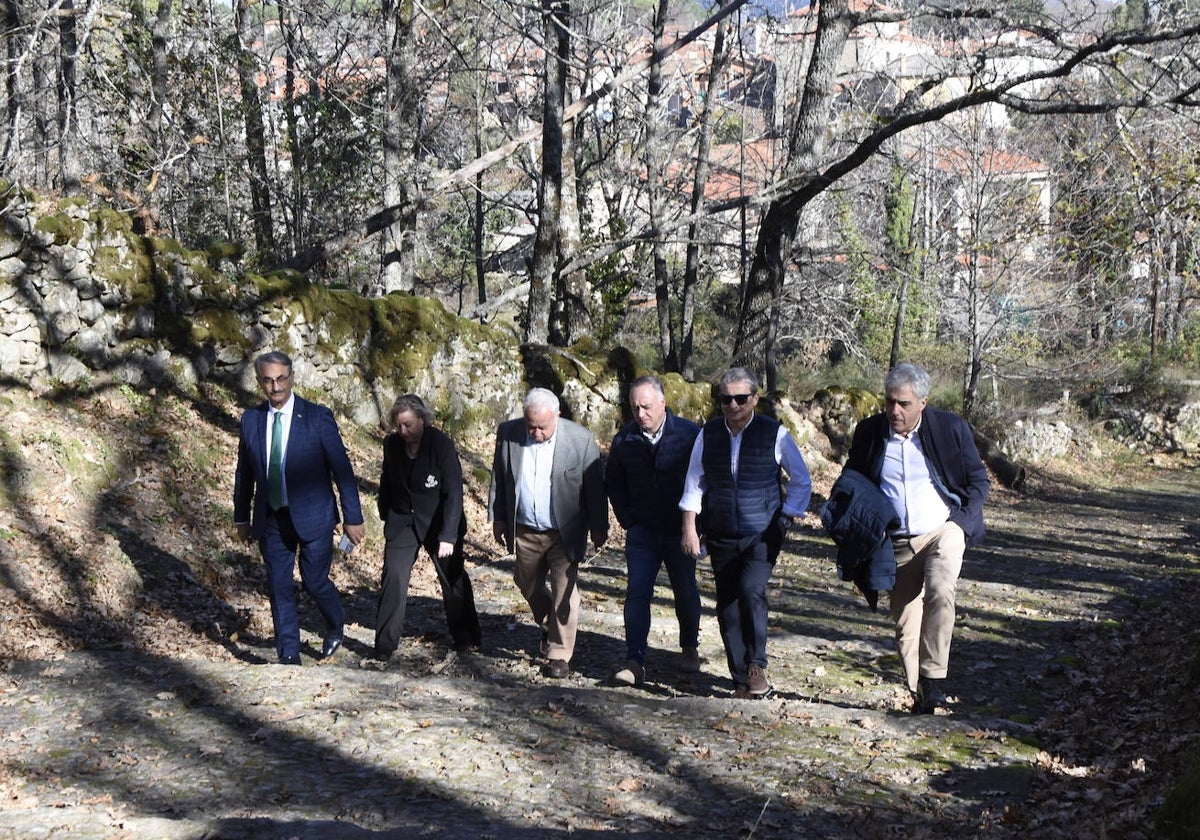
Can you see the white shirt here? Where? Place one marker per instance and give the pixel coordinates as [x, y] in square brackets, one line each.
[288, 408]
[655, 436]
[787, 455]
[907, 482]
[534, 509]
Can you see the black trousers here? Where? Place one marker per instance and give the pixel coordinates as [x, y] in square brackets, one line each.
[399, 556]
[742, 568]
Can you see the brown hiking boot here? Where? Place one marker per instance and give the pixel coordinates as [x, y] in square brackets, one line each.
[756, 679]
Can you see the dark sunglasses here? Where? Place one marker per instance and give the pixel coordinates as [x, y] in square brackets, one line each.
[740, 399]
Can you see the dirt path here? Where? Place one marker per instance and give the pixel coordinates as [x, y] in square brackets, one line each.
[1065, 724]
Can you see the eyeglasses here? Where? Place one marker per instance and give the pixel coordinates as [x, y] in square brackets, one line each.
[740, 399]
[267, 381]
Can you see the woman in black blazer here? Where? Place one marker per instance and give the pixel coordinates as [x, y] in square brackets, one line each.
[421, 504]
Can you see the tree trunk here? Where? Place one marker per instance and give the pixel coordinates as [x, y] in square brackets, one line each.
[544, 267]
[294, 214]
[14, 100]
[571, 302]
[761, 305]
[974, 360]
[1155, 284]
[1008, 472]
[652, 160]
[256, 142]
[691, 268]
[397, 263]
[68, 113]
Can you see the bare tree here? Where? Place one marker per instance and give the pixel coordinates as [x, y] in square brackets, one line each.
[256, 140]
[544, 265]
[759, 316]
[400, 117]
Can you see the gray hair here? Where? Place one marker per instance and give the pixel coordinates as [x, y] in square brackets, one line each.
[652, 381]
[542, 398]
[413, 403]
[914, 376]
[273, 357]
[740, 374]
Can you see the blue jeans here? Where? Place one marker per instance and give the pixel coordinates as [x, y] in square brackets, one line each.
[645, 553]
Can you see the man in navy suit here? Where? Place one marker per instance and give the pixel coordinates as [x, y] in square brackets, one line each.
[289, 453]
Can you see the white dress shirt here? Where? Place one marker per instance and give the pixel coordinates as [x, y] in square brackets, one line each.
[534, 508]
[907, 482]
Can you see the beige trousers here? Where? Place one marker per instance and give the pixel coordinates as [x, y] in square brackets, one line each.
[922, 602]
[550, 583]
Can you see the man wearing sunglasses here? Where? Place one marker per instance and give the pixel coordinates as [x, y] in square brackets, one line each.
[733, 496]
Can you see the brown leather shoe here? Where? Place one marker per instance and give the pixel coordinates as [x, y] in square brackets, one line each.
[741, 692]
[756, 679]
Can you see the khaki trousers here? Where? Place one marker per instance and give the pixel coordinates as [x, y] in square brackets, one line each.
[550, 583]
[922, 601]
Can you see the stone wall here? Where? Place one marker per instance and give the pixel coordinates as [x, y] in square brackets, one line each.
[85, 302]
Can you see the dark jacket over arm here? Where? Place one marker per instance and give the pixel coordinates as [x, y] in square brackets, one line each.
[858, 517]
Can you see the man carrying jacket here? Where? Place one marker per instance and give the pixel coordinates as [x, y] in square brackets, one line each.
[925, 461]
[646, 467]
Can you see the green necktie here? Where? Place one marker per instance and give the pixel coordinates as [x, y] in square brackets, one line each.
[275, 467]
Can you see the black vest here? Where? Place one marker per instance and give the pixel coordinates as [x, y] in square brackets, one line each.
[748, 506]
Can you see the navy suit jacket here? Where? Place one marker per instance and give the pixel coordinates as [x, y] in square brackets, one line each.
[315, 460]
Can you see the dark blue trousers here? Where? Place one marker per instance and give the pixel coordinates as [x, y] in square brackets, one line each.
[279, 547]
[741, 571]
[646, 552]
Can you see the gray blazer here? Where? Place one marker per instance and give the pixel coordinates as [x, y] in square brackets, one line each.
[576, 485]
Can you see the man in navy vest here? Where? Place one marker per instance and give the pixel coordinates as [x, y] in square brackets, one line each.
[925, 461]
[733, 486]
[646, 467]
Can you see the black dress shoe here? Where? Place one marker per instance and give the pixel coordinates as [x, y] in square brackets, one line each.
[291, 659]
[332, 642]
[557, 668]
[929, 696]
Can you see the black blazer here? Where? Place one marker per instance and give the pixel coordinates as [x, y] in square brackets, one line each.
[436, 489]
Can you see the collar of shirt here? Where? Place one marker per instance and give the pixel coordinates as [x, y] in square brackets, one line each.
[287, 410]
[894, 435]
[655, 436]
[738, 433]
[547, 442]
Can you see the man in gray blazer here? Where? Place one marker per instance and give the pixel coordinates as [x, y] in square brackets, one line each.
[546, 496]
